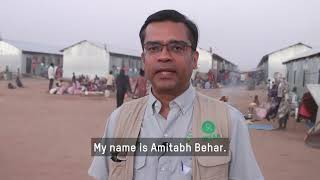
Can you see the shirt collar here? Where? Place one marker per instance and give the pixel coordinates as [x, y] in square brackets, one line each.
[184, 101]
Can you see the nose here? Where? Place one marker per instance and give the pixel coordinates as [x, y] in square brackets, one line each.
[164, 54]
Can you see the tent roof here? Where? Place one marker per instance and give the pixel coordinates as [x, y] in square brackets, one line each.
[313, 137]
[314, 89]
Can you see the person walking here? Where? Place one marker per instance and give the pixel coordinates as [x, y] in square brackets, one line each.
[283, 113]
[51, 75]
[123, 86]
[110, 81]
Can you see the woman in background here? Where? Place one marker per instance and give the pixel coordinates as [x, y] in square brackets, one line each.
[140, 89]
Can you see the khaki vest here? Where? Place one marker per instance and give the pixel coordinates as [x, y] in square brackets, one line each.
[203, 167]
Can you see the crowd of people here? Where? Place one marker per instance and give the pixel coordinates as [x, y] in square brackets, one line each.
[205, 80]
[18, 84]
[281, 103]
[18, 81]
[78, 85]
[83, 85]
[209, 80]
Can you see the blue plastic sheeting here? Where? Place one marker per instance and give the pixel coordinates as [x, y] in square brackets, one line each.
[266, 127]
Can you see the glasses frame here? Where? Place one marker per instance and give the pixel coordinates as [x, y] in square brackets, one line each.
[172, 52]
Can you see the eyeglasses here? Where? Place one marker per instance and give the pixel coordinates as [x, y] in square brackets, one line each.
[175, 47]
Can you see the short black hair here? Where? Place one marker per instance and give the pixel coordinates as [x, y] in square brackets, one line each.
[174, 16]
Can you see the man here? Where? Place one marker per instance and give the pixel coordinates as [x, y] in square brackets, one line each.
[74, 79]
[110, 80]
[34, 66]
[123, 86]
[51, 75]
[174, 109]
[283, 113]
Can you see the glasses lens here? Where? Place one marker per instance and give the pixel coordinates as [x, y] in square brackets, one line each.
[177, 47]
[153, 48]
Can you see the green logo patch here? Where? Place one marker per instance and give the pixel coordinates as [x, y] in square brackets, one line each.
[208, 127]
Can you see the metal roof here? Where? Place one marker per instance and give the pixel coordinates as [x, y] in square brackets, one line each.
[265, 57]
[214, 55]
[303, 55]
[110, 48]
[33, 47]
[290, 47]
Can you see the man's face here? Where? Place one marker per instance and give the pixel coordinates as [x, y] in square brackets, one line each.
[169, 69]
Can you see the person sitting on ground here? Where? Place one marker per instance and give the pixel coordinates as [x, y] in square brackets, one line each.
[19, 83]
[254, 104]
[96, 80]
[224, 99]
[11, 86]
[64, 87]
[60, 83]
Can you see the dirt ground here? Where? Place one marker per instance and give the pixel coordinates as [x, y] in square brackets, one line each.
[48, 136]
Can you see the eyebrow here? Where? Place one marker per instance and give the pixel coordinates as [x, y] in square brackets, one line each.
[171, 41]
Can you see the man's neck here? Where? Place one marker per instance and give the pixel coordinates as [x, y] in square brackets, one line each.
[165, 99]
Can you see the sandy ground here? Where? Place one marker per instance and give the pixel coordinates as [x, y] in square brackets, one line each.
[48, 136]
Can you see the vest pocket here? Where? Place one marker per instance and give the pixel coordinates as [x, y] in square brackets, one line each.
[213, 167]
[116, 168]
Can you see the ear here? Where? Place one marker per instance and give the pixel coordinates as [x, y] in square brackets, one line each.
[195, 57]
[143, 57]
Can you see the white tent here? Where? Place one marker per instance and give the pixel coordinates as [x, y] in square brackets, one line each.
[313, 137]
[85, 58]
[94, 58]
[16, 54]
[204, 63]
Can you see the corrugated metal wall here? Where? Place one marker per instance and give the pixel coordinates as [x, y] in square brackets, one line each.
[303, 72]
